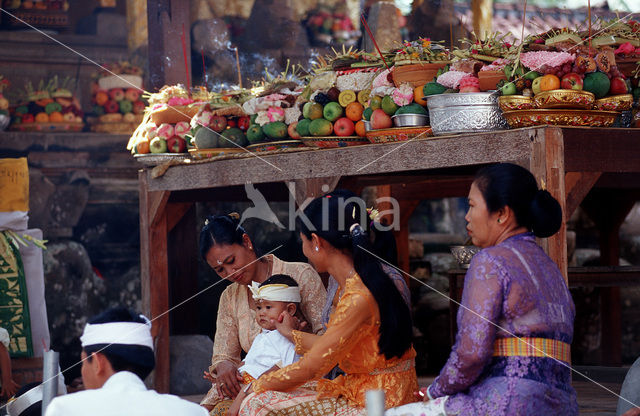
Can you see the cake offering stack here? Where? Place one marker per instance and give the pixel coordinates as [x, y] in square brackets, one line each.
[116, 96]
[166, 123]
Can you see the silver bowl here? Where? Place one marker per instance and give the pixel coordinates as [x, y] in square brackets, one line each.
[410, 120]
[4, 121]
[465, 113]
[463, 254]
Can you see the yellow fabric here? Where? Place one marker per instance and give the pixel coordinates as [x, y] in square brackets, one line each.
[14, 185]
[351, 340]
[532, 347]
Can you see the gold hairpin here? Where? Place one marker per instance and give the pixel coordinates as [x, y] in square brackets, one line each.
[206, 222]
[543, 186]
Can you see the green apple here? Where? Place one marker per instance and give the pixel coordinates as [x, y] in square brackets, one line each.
[158, 145]
[332, 111]
[535, 85]
[509, 88]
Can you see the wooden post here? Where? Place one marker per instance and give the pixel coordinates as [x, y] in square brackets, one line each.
[482, 17]
[608, 209]
[154, 275]
[547, 164]
[402, 236]
[166, 20]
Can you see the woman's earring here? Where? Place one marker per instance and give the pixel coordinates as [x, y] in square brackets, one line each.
[498, 220]
[251, 247]
[317, 248]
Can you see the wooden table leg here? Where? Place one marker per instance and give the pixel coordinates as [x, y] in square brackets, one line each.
[154, 274]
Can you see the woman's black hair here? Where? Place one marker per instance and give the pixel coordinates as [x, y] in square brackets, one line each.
[137, 359]
[220, 229]
[340, 218]
[506, 184]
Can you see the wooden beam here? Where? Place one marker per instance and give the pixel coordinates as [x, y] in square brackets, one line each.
[482, 17]
[168, 21]
[175, 213]
[577, 186]
[154, 276]
[402, 235]
[547, 165]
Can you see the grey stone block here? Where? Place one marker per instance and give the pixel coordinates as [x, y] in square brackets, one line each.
[190, 356]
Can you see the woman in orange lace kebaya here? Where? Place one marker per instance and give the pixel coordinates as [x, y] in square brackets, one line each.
[368, 334]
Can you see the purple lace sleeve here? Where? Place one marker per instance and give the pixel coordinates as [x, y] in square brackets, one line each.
[473, 349]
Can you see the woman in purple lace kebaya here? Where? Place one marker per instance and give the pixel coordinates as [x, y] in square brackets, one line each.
[515, 325]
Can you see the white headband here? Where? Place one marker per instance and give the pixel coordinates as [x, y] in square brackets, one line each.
[275, 292]
[122, 333]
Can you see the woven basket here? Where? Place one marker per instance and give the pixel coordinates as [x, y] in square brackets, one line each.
[415, 74]
[398, 134]
[38, 18]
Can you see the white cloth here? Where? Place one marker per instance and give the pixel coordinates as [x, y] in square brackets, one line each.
[122, 333]
[123, 394]
[277, 292]
[34, 275]
[269, 348]
[431, 408]
[4, 337]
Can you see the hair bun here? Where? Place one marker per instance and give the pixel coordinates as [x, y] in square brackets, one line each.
[546, 214]
[234, 216]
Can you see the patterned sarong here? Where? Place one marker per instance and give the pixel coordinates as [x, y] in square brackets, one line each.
[14, 306]
[301, 402]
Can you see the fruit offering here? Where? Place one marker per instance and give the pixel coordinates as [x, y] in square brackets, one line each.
[118, 106]
[4, 104]
[165, 127]
[51, 106]
[327, 26]
[36, 5]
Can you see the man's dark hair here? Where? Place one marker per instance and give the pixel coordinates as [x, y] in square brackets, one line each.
[36, 408]
[137, 359]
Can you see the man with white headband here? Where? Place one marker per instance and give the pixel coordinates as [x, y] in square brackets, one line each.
[270, 350]
[117, 355]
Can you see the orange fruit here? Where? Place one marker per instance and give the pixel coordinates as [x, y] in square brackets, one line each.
[360, 131]
[56, 117]
[418, 95]
[549, 82]
[142, 147]
[42, 118]
[102, 97]
[354, 111]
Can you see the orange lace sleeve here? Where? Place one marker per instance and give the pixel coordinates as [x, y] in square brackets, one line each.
[328, 349]
[303, 341]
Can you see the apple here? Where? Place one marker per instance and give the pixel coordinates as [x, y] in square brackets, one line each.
[344, 127]
[132, 94]
[618, 86]
[158, 145]
[571, 81]
[111, 106]
[176, 144]
[535, 85]
[292, 130]
[232, 122]
[116, 94]
[380, 119]
[218, 123]
[244, 122]
[509, 88]
[138, 107]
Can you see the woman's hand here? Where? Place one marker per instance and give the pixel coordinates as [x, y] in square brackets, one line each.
[208, 376]
[286, 324]
[228, 379]
[9, 387]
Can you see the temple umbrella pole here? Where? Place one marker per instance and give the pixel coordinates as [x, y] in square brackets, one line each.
[50, 378]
